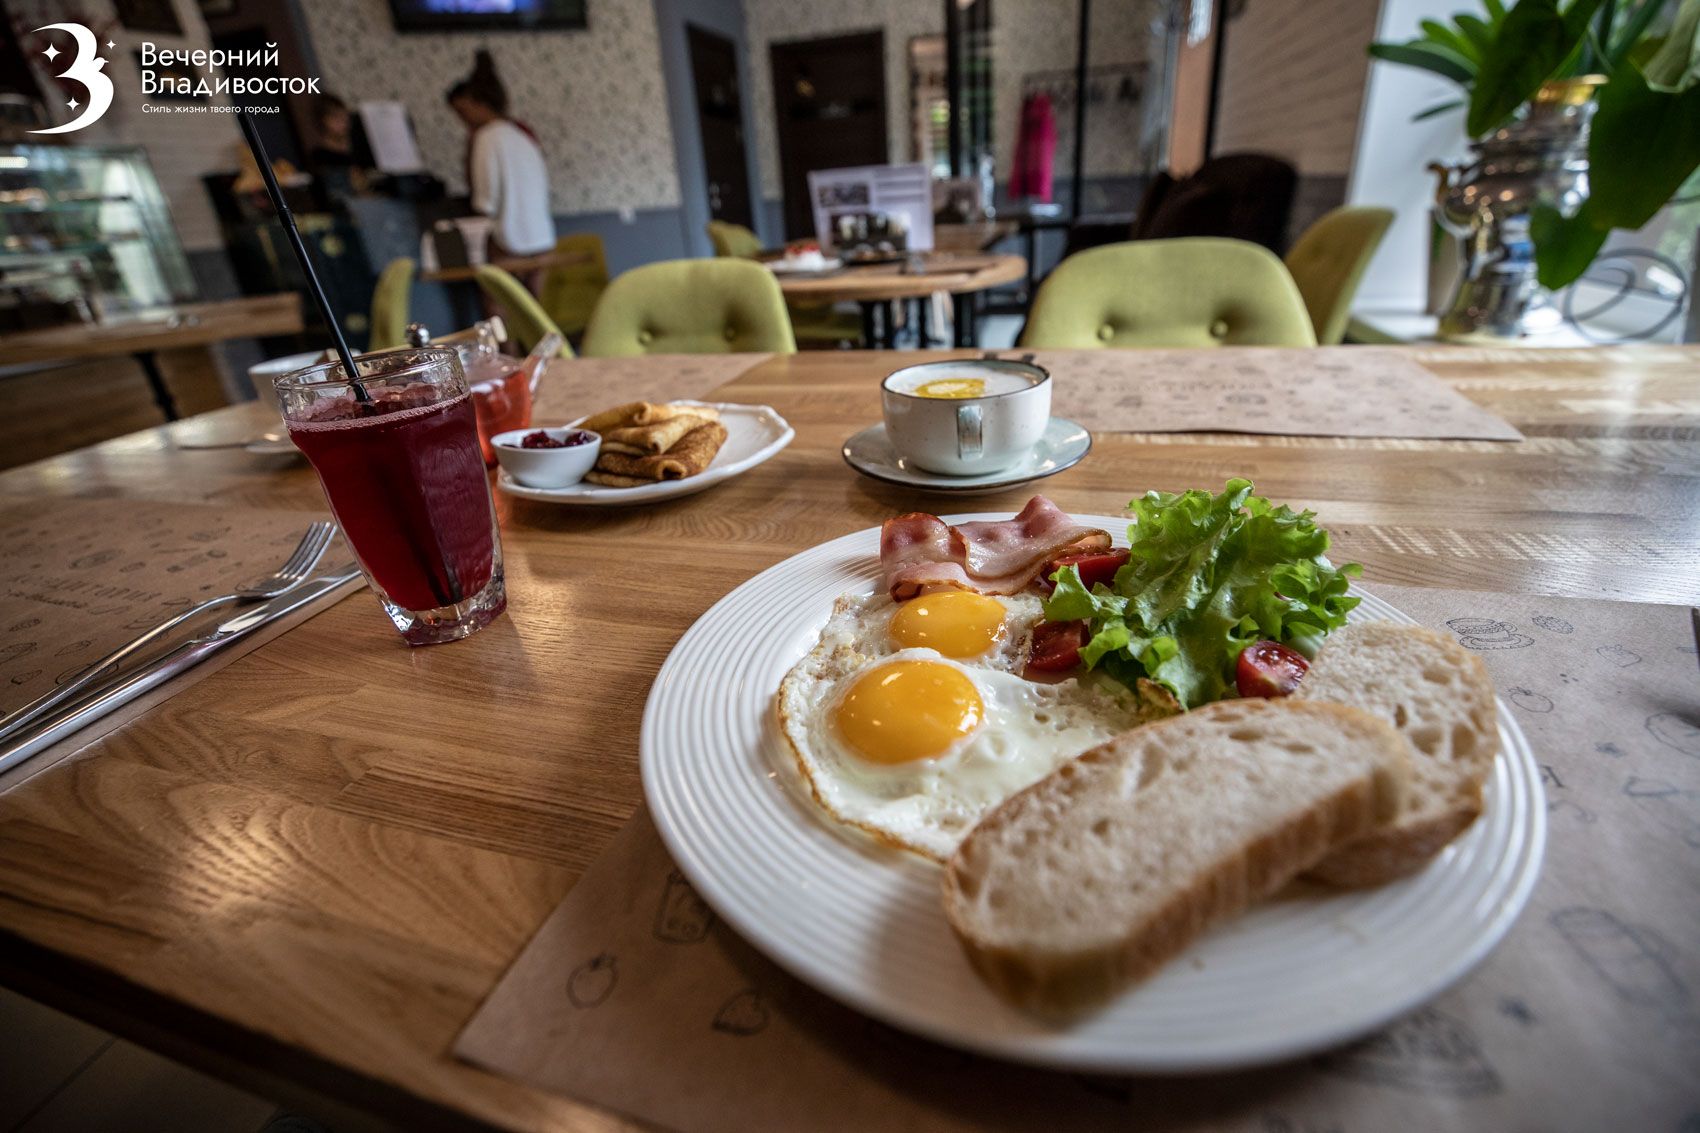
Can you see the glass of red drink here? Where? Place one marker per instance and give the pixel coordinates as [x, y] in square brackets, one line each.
[404, 476]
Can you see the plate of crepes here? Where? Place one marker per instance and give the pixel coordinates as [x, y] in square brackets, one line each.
[659, 451]
[1179, 800]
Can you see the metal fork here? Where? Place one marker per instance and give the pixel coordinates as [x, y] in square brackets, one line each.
[294, 571]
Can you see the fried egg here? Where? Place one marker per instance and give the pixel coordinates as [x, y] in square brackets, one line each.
[912, 720]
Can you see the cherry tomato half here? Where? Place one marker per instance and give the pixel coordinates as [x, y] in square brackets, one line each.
[1094, 566]
[1269, 669]
[1055, 647]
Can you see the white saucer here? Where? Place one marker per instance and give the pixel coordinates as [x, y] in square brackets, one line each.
[1064, 445]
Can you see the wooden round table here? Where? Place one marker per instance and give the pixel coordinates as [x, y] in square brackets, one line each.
[878, 287]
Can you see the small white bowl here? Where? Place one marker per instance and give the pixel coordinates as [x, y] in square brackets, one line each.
[546, 467]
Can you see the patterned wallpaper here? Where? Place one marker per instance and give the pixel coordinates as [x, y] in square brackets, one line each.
[767, 21]
[596, 98]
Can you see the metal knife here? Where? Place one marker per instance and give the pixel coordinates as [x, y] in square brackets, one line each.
[125, 687]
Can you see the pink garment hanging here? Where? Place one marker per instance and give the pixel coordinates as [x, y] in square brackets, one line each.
[1035, 146]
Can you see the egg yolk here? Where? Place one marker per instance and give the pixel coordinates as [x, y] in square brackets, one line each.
[956, 623]
[908, 710]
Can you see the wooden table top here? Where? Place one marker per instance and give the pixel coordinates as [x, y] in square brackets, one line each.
[957, 273]
[192, 324]
[306, 870]
[518, 265]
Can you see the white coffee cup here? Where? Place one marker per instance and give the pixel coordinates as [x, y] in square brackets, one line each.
[966, 418]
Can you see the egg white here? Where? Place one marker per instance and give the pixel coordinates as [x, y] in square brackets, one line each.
[1028, 729]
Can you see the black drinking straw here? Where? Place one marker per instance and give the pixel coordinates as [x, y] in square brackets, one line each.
[287, 219]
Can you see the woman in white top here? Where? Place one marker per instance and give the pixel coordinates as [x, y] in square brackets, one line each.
[505, 170]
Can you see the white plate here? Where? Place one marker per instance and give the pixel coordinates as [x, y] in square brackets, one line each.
[1064, 445]
[863, 923]
[784, 267]
[754, 433]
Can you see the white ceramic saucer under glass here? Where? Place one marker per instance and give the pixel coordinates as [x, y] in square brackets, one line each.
[1063, 445]
[863, 923]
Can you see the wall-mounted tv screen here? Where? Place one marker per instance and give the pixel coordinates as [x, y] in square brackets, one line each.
[484, 15]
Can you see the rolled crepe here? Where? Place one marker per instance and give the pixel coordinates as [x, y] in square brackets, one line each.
[689, 456]
[651, 439]
[642, 413]
[612, 480]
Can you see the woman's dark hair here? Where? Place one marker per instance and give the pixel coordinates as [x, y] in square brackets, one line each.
[483, 84]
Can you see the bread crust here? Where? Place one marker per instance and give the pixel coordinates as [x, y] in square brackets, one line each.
[1409, 843]
[1064, 984]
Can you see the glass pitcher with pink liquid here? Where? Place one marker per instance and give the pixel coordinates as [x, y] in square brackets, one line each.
[501, 385]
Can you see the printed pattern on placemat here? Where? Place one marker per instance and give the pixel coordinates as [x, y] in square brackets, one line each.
[577, 387]
[634, 996]
[1352, 391]
[78, 578]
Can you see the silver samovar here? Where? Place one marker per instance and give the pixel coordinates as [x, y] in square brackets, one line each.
[1485, 205]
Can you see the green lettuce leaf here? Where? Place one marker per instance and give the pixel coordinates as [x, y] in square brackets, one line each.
[1207, 575]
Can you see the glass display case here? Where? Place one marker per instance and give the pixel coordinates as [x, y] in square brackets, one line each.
[84, 233]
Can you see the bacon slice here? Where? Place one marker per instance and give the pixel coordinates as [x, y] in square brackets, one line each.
[921, 552]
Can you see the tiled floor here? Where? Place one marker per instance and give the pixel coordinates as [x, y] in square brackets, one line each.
[59, 1075]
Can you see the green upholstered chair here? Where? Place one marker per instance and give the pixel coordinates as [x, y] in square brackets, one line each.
[570, 291]
[733, 240]
[1329, 260]
[527, 321]
[1191, 292]
[391, 300]
[718, 306]
[817, 324]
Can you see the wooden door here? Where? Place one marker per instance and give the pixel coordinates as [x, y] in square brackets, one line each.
[829, 104]
[720, 124]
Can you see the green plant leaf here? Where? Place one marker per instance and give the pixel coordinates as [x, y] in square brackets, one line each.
[1436, 110]
[1645, 143]
[1676, 64]
[1564, 246]
[1442, 36]
[1477, 31]
[1535, 40]
[1629, 33]
[1496, 11]
[1442, 61]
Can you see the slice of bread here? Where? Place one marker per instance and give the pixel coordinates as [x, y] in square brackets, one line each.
[1437, 693]
[1096, 875]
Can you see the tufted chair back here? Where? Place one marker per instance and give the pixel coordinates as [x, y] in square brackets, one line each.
[733, 240]
[391, 300]
[1192, 292]
[1328, 261]
[528, 323]
[718, 306]
[570, 291]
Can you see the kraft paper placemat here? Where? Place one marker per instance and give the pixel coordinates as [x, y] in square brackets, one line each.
[1355, 391]
[577, 387]
[79, 578]
[635, 997]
